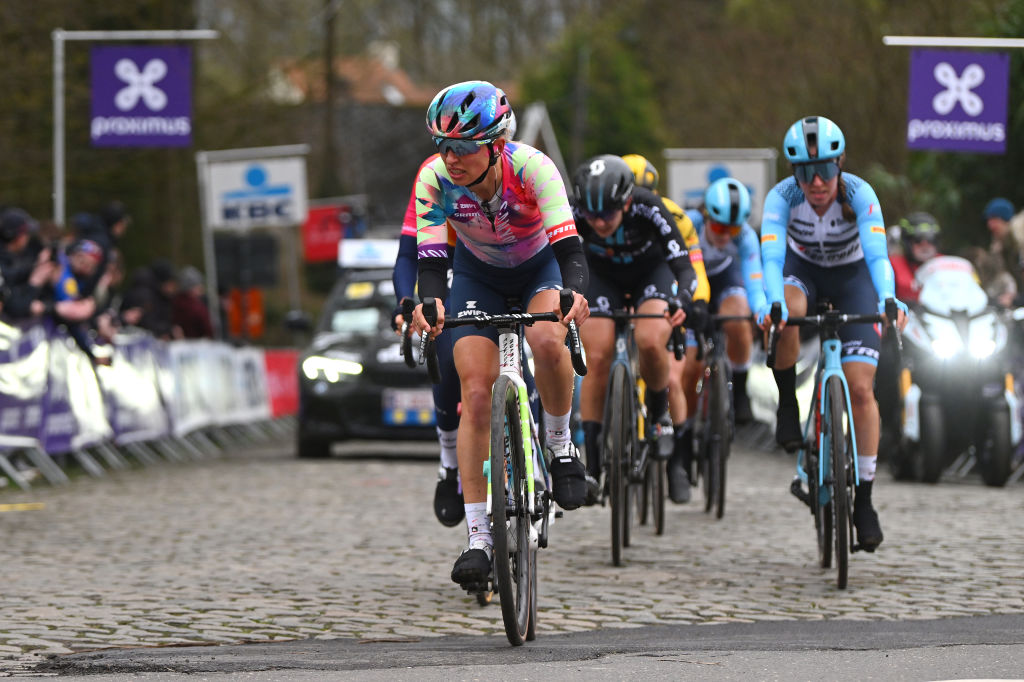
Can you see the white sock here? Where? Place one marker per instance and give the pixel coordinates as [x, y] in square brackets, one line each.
[556, 428]
[476, 524]
[447, 439]
[866, 467]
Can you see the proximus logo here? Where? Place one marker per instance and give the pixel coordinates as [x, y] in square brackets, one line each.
[958, 89]
[140, 85]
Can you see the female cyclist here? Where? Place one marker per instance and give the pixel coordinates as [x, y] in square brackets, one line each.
[733, 263]
[822, 235]
[633, 249]
[515, 239]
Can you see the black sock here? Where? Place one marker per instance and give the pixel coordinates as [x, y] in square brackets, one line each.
[739, 383]
[863, 495]
[592, 443]
[657, 403]
[785, 379]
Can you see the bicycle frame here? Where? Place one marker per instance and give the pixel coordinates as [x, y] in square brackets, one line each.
[829, 365]
[510, 361]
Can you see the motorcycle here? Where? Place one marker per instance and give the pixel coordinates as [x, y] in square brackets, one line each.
[956, 386]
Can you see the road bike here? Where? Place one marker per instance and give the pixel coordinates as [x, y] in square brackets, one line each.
[519, 502]
[634, 476]
[827, 458]
[714, 423]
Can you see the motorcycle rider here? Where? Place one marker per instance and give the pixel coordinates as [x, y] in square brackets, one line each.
[919, 233]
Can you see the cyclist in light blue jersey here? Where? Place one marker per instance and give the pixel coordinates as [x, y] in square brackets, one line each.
[822, 236]
[732, 261]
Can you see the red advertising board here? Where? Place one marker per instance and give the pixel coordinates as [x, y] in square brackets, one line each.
[282, 381]
[321, 233]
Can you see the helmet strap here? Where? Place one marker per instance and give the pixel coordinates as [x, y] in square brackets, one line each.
[492, 159]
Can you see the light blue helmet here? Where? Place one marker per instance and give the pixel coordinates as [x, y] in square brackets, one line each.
[815, 132]
[727, 201]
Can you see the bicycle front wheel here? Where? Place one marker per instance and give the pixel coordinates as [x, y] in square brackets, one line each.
[840, 452]
[514, 554]
[618, 447]
[721, 434]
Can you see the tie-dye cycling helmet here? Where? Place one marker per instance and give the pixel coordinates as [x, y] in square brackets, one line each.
[473, 110]
[817, 133]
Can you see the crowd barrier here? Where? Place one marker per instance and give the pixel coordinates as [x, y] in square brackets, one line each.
[155, 400]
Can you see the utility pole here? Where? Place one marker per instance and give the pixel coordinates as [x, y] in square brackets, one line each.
[329, 178]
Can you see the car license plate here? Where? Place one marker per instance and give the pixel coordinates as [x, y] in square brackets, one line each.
[408, 407]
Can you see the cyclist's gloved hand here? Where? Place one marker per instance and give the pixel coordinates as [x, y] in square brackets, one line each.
[899, 304]
[395, 313]
[697, 317]
[766, 309]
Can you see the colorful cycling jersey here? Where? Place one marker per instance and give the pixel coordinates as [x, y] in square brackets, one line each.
[534, 210]
[405, 274]
[742, 249]
[827, 241]
[689, 235]
[648, 233]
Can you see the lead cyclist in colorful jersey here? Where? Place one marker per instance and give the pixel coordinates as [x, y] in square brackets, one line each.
[516, 238]
[822, 236]
[633, 249]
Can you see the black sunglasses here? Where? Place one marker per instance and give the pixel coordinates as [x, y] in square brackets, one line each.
[826, 170]
[458, 146]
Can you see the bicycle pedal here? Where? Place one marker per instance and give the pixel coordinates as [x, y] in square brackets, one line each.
[797, 489]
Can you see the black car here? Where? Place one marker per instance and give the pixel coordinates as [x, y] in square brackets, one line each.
[353, 382]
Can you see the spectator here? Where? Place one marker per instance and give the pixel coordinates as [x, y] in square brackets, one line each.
[157, 317]
[1004, 251]
[106, 229]
[188, 307]
[25, 271]
[69, 306]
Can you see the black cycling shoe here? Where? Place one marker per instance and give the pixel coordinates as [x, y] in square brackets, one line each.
[865, 519]
[593, 492]
[787, 426]
[741, 408]
[678, 480]
[568, 478]
[448, 504]
[472, 569]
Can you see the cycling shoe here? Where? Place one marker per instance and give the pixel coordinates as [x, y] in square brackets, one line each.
[865, 520]
[568, 476]
[472, 568]
[678, 480]
[448, 504]
[787, 426]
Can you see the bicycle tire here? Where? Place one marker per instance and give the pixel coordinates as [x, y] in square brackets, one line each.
[721, 433]
[510, 518]
[660, 492]
[841, 472]
[822, 511]
[616, 445]
[646, 496]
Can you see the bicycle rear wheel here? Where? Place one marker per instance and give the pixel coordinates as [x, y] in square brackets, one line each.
[514, 554]
[820, 509]
[840, 451]
[721, 434]
[618, 444]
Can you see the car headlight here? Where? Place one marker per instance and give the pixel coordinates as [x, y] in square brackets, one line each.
[331, 369]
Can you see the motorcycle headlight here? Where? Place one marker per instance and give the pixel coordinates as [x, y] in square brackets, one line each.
[946, 345]
[331, 369]
[982, 348]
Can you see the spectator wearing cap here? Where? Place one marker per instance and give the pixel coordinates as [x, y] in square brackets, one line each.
[1004, 252]
[188, 307]
[70, 306]
[106, 228]
[25, 271]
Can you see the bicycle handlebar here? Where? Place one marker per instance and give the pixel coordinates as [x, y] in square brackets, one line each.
[621, 314]
[428, 350]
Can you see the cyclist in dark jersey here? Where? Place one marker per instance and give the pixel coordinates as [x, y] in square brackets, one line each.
[633, 248]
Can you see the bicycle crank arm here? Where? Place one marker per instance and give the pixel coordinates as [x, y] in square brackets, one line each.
[797, 489]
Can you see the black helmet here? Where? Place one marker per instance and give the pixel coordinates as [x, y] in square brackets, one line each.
[920, 226]
[603, 183]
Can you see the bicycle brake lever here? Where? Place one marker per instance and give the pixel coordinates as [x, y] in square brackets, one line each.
[428, 352]
[773, 334]
[572, 339]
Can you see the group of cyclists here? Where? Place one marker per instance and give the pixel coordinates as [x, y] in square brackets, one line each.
[496, 214]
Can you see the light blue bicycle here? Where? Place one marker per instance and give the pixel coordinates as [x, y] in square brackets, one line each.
[827, 460]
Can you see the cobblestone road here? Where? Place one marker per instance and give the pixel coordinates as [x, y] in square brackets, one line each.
[258, 546]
